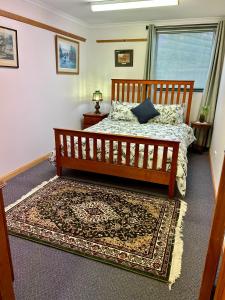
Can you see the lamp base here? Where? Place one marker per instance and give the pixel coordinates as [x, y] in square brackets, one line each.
[97, 107]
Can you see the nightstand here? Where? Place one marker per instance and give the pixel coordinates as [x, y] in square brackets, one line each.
[201, 132]
[92, 118]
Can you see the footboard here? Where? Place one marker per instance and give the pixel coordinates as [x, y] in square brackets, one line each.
[95, 152]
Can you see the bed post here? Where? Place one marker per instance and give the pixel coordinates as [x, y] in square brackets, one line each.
[113, 90]
[58, 153]
[173, 170]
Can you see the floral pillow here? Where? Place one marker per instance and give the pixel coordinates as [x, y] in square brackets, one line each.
[122, 111]
[169, 114]
[172, 114]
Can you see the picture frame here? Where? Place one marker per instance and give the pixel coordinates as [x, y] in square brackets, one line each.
[124, 58]
[8, 48]
[67, 56]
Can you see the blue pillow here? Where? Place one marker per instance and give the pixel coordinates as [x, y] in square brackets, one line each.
[145, 111]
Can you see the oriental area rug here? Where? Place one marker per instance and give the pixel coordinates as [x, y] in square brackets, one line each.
[134, 231]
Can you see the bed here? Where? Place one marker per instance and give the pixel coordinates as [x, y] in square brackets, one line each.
[148, 152]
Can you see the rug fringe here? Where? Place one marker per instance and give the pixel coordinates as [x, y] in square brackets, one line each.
[176, 262]
[30, 193]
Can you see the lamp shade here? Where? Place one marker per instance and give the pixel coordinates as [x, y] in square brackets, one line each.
[97, 96]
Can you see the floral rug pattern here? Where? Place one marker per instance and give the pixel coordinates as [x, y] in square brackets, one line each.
[131, 230]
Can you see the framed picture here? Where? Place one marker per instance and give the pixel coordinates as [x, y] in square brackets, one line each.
[8, 48]
[124, 58]
[67, 55]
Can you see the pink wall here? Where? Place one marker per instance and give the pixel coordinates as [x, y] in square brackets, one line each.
[33, 98]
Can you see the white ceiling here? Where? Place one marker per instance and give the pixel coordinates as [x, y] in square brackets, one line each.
[186, 9]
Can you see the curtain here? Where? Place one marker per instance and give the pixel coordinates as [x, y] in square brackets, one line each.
[211, 90]
[150, 53]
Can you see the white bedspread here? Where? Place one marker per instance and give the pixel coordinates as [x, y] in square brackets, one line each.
[182, 133]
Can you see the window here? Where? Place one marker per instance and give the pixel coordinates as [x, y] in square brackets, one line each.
[184, 55]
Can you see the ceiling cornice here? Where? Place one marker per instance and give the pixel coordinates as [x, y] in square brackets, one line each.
[58, 12]
[160, 22]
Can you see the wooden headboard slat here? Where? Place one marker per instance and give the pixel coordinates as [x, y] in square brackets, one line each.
[128, 92]
[122, 91]
[184, 94]
[166, 94]
[159, 91]
[133, 91]
[178, 95]
[172, 94]
[143, 91]
[139, 93]
[118, 91]
[149, 91]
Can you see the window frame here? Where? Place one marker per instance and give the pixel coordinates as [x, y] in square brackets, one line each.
[185, 29]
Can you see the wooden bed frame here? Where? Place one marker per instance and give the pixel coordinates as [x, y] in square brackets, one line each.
[126, 90]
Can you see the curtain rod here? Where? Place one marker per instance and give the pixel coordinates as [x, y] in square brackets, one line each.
[207, 25]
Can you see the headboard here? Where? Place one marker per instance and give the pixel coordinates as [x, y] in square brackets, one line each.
[159, 91]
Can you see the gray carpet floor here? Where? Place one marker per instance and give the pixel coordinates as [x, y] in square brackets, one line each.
[44, 273]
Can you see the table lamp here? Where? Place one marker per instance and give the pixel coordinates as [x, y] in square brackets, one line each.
[97, 96]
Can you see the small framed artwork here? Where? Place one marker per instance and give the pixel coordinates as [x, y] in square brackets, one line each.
[8, 48]
[124, 58]
[67, 55]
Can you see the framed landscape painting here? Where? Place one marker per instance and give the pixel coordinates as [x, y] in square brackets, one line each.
[124, 58]
[8, 48]
[67, 56]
